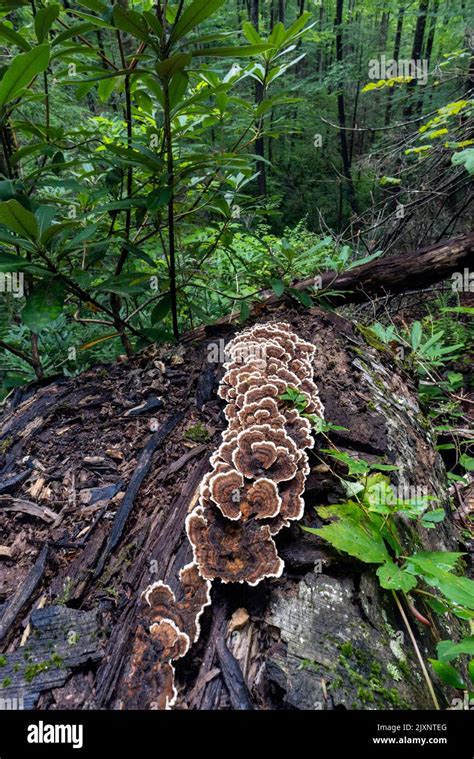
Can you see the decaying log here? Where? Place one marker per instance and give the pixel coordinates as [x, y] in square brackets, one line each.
[323, 635]
[396, 274]
[384, 276]
[60, 641]
[138, 476]
[23, 594]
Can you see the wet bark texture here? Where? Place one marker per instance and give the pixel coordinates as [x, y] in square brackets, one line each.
[112, 462]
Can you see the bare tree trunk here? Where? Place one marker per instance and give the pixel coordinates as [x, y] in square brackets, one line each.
[416, 54]
[346, 163]
[396, 53]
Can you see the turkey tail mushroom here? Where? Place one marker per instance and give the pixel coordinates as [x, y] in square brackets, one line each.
[259, 471]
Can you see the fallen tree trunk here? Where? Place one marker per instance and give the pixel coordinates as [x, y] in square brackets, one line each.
[323, 636]
[385, 276]
[395, 274]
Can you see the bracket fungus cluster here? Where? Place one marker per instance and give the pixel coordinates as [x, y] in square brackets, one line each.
[253, 490]
[259, 471]
[170, 626]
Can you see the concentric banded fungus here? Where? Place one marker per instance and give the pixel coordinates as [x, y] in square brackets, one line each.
[259, 470]
[232, 551]
[253, 490]
[172, 626]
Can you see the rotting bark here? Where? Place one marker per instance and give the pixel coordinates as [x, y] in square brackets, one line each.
[311, 639]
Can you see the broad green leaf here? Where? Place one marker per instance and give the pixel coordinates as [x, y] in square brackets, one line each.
[393, 577]
[298, 25]
[132, 22]
[278, 287]
[432, 561]
[44, 19]
[171, 66]
[9, 34]
[467, 462]
[9, 262]
[471, 670]
[458, 590]
[447, 674]
[251, 33]
[18, 219]
[464, 158]
[448, 650]
[154, 23]
[43, 305]
[433, 517]
[245, 51]
[194, 15]
[161, 310]
[22, 70]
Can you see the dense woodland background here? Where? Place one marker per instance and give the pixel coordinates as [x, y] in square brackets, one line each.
[153, 186]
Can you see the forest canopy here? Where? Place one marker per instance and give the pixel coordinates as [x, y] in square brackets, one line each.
[163, 164]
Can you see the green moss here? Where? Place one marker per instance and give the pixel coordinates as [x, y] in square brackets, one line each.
[5, 444]
[365, 695]
[6, 682]
[33, 670]
[347, 649]
[3, 661]
[197, 433]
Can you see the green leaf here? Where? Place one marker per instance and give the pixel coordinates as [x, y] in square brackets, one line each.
[467, 462]
[353, 533]
[18, 219]
[448, 650]
[194, 15]
[245, 51]
[44, 19]
[464, 158]
[432, 561]
[9, 262]
[393, 577]
[10, 35]
[251, 33]
[171, 66]
[278, 287]
[44, 305]
[458, 590]
[433, 517]
[161, 309]
[416, 333]
[471, 670]
[447, 674]
[132, 22]
[22, 70]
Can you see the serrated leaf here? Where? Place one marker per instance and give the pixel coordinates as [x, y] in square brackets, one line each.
[392, 577]
[353, 533]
